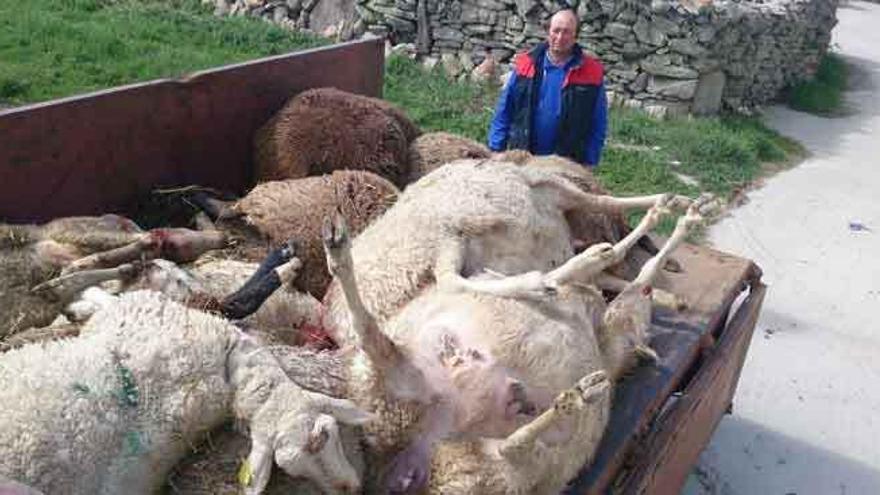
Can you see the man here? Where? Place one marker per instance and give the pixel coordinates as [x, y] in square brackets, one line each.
[554, 101]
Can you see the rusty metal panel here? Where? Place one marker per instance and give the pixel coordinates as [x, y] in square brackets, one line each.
[94, 153]
[710, 282]
[684, 430]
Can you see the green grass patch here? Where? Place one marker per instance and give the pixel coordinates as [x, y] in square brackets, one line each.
[436, 102]
[55, 48]
[823, 94]
[722, 153]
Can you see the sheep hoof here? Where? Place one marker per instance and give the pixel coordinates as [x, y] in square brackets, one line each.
[276, 258]
[593, 386]
[334, 233]
[567, 402]
[261, 285]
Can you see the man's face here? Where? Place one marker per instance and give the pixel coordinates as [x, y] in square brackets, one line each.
[561, 35]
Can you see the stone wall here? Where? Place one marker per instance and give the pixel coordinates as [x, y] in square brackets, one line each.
[665, 56]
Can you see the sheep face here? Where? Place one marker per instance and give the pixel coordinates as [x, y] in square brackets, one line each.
[487, 399]
[306, 443]
[316, 453]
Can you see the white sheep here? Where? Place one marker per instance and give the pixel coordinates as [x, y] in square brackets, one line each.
[30, 255]
[543, 455]
[114, 409]
[286, 316]
[467, 317]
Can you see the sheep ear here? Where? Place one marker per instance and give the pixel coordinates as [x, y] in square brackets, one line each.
[254, 473]
[346, 411]
[317, 438]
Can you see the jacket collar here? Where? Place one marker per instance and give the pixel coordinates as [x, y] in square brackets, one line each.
[539, 53]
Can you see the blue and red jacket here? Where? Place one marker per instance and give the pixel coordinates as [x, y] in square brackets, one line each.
[540, 100]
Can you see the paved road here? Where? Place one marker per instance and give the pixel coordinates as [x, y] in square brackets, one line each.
[807, 411]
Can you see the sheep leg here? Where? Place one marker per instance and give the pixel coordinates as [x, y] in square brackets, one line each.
[278, 268]
[448, 268]
[577, 270]
[659, 297]
[65, 287]
[378, 347]
[451, 255]
[179, 245]
[571, 197]
[694, 216]
[629, 314]
[185, 245]
[216, 209]
[595, 259]
[593, 389]
[145, 248]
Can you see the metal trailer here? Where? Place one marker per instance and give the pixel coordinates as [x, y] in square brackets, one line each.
[94, 153]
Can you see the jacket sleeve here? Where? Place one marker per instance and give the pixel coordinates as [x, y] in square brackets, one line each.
[596, 139]
[500, 124]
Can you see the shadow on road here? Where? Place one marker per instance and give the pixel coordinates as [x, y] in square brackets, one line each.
[758, 460]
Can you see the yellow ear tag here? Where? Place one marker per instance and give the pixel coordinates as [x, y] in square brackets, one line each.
[245, 474]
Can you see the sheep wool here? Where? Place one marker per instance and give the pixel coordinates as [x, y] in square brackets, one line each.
[296, 209]
[325, 129]
[434, 149]
[112, 410]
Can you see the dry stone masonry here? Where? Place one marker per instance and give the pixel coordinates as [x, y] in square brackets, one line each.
[665, 56]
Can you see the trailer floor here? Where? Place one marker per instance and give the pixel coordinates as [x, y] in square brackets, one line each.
[806, 416]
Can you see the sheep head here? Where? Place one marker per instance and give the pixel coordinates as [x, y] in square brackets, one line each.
[306, 443]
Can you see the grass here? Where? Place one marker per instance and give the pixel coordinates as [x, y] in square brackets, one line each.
[436, 102]
[723, 154]
[823, 94]
[54, 48]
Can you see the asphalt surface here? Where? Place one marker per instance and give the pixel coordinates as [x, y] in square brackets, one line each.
[805, 417]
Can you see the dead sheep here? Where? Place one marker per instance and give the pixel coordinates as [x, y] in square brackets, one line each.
[434, 149]
[214, 467]
[285, 317]
[587, 229]
[326, 129]
[467, 317]
[545, 454]
[113, 410]
[293, 210]
[446, 384]
[31, 255]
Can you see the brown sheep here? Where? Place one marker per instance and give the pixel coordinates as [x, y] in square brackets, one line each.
[325, 129]
[433, 149]
[276, 211]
